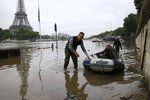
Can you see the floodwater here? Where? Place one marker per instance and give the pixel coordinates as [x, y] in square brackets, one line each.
[37, 74]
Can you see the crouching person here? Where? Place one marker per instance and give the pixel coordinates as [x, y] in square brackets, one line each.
[108, 53]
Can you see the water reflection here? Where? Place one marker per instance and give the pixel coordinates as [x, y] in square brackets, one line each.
[23, 71]
[21, 63]
[72, 87]
[97, 79]
[93, 85]
[9, 62]
[39, 72]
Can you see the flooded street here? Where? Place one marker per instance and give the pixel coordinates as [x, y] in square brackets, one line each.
[38, 75]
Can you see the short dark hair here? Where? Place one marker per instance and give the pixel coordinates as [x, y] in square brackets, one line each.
[81, 33]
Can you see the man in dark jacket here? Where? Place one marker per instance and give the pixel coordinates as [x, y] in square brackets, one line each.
[117, 44]
[108, 52]
[70, 50]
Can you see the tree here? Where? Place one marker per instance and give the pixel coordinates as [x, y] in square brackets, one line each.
[1, 29]
[1, 32]
[138, 5]
[24, 34]
[120, 31]
[131, 23]
[6, 34]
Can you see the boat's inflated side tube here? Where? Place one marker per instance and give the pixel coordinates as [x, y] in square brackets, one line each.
[87, 63]
[103, 65]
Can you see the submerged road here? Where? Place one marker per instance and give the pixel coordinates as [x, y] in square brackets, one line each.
[37, 74]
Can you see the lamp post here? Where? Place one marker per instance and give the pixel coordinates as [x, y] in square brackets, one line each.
[55, 28]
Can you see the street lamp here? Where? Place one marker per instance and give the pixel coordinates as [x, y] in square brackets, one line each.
[55, 28]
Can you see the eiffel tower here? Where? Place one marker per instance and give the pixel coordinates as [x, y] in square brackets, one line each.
[20, 20]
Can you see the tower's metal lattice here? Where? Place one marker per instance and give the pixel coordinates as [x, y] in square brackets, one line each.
[21, 20]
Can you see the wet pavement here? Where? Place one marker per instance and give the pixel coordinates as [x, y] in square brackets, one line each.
[37, 74]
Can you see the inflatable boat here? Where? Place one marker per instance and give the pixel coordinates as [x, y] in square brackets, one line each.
[104, 65]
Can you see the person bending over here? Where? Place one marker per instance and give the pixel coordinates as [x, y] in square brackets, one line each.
[70, 49]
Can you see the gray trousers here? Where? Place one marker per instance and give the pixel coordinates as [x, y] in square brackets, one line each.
[68, 53]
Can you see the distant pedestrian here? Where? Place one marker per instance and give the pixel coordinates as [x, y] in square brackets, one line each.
[117, 45]
[52, 45]
[70, 49]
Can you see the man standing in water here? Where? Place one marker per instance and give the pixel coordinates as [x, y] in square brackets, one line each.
[117, 44]
[70, 49]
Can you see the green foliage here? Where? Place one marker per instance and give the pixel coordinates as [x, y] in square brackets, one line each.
[5, 34]
[131, 23]
[24, 34]
[106, 33]
[45, 37]
[138, 5]
[120, 31]
[1, 32]
[101, 35]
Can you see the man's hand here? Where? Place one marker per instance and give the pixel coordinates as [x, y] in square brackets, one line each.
[76, 54]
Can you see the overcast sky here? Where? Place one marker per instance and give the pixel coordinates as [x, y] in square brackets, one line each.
[72, 16]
